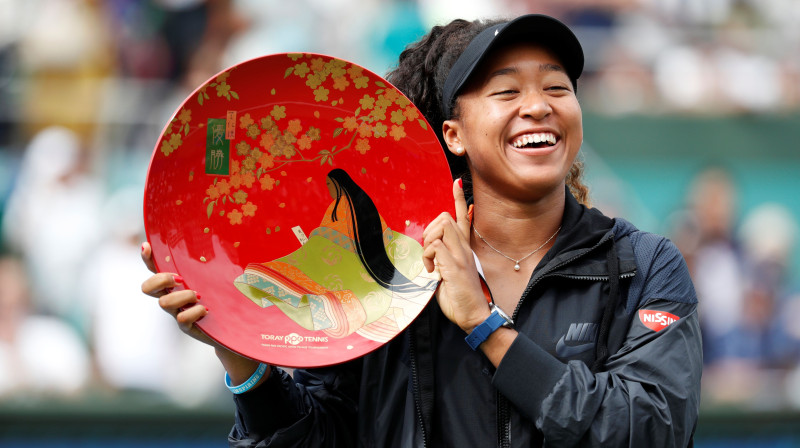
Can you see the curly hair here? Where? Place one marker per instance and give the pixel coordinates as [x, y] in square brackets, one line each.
[421, 72]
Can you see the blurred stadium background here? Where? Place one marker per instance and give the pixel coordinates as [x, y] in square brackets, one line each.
[692, 130]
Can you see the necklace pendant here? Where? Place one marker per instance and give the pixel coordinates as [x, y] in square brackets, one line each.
[516, 262]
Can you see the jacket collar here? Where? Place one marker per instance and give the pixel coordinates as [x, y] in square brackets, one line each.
[581, 246]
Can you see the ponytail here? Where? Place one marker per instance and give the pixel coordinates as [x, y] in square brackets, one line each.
[575, 183]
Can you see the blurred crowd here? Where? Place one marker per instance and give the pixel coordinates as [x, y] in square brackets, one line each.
[741, 270]
[86, 87]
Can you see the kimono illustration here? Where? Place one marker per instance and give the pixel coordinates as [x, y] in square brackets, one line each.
[353, 275]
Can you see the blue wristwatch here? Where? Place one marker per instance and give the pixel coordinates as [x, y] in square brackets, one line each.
[495, 320]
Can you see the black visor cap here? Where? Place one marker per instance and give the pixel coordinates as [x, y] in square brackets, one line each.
[537, 28]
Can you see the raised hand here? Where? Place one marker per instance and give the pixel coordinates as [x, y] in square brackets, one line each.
[447, 248]
[182, 304]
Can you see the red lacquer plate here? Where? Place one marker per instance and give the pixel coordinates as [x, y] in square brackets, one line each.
[291, 192]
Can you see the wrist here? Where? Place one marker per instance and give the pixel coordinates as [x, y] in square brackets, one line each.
[261, 372]
[497, 319]
[497, 344]
[237, 367]
[469, 324]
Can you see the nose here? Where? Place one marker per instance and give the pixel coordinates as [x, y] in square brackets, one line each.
[535, 105]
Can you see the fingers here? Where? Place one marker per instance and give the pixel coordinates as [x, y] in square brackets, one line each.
[437, 255]
[444, 243]
[429, 256]
[174, 301]
[432, 238]
[445, 231]
[181, 304]
[461, 207]
[147, 257]
[184, 306]
[160, 284]
[434, 230]
[187, 317]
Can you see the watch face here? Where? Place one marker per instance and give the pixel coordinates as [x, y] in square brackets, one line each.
[291, 192]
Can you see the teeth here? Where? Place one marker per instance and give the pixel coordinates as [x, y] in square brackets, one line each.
[542, 137]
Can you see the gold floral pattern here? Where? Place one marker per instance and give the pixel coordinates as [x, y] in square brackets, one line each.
[221, 86]
[177, 129]
[274, 138]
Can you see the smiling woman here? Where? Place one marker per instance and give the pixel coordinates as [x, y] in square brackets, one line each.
[542, 324]
[519, 99]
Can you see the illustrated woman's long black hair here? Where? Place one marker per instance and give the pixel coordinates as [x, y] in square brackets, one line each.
[368, 234]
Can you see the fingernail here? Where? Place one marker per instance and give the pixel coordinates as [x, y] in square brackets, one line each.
[460, 184]
[197, 294]
[142, 247]
[177, 278]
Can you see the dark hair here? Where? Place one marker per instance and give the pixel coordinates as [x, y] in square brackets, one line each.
[423, 68]
[368, 234]
[421, 72]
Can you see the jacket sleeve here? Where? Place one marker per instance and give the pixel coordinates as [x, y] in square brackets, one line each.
[649, 393]
[315, 409]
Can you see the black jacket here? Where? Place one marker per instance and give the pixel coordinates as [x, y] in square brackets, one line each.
[604, 291]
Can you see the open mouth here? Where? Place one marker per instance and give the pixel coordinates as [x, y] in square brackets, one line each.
[537, 140]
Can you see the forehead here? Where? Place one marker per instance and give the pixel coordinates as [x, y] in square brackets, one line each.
[512, 57]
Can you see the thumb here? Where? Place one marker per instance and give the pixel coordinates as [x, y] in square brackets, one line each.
[462, 218]
[147, 257]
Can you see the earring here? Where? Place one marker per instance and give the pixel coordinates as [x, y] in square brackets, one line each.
[459, 150]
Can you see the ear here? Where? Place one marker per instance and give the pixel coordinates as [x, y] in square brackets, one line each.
[451, 131]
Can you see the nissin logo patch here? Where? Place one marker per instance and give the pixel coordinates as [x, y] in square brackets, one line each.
[657, 320]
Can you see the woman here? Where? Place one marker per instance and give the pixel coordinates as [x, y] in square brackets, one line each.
[580, 329]
[352, 242]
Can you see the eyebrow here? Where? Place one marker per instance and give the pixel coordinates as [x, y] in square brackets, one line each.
[502, 72]
[551, 68]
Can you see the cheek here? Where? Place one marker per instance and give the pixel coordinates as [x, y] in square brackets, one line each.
[576, 129]
[481, 117]
[478, 129]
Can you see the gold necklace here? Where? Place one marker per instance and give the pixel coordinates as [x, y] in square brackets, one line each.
[516, 262]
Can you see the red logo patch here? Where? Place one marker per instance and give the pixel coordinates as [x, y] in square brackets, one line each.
[657, 320]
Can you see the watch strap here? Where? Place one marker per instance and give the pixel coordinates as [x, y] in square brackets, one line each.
[482, 332]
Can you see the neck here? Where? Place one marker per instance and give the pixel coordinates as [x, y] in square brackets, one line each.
[516, 227]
